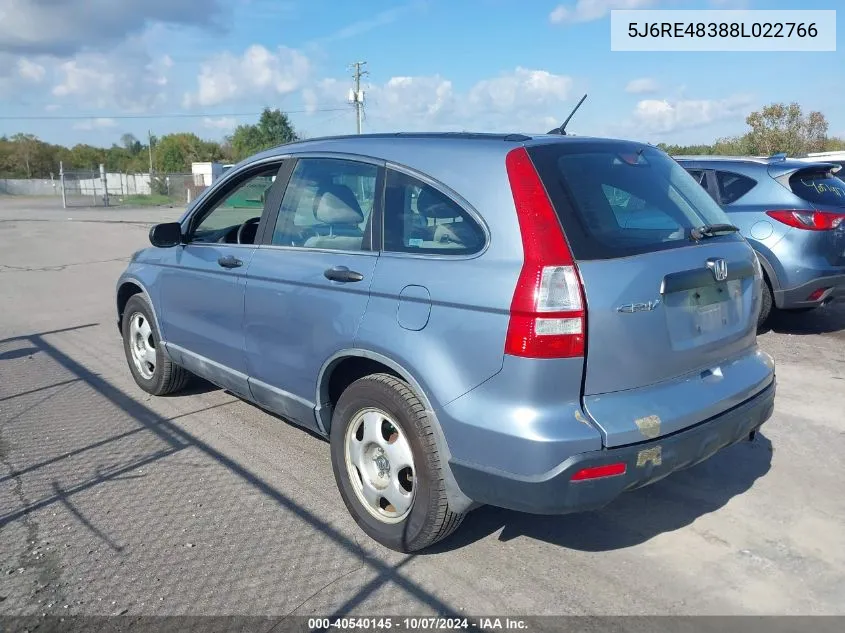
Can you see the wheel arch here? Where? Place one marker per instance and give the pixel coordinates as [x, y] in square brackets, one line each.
[358, 363]
[374, 360]
[768, 269]
[128, 288]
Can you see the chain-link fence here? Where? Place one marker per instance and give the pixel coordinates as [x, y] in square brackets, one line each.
[82, 189]
[112, 189]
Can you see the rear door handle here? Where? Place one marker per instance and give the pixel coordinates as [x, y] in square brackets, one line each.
[230, 261]
[342, 273]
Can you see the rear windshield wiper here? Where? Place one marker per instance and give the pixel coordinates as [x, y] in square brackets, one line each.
[712, 230]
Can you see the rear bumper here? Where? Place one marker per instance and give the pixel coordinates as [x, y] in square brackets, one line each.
[797, 297]
[646, 462]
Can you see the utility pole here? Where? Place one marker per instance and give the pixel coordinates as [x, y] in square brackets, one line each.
[150, 146]
[356, 95]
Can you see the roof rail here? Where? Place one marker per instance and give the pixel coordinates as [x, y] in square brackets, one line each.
[780, 156]
[419, 135]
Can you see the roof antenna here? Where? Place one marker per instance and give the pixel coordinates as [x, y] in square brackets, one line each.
[562, 129]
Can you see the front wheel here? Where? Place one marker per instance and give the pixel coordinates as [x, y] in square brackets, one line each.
[387, 466]
[150, 366]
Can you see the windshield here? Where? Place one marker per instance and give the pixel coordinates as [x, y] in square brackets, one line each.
[620, 199]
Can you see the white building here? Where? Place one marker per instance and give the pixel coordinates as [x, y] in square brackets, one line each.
[206, 173]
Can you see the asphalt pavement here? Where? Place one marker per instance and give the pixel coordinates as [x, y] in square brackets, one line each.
[116, 502]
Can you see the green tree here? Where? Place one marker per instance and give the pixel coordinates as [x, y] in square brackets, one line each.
[834, 144]
[174, 153]
[273, 128]
[25, 150]
[733, 146]
[84, 156]
[784, 128]
[131, 144]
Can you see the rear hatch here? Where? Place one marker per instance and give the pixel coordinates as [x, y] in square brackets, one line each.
[822, 212]
[671, 312]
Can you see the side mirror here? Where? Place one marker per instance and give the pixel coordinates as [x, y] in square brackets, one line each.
[166, 235]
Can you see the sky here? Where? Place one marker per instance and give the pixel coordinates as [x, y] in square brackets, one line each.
[89, 71]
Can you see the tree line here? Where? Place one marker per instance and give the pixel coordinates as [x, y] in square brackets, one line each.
[775, 128]
[26, 156]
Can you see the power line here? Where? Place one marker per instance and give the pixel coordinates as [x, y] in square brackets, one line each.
[177, 115]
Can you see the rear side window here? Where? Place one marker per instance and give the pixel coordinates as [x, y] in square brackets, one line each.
[700, 176]
[420, 219]
[820, 188]
[733, 186]
[621, 199]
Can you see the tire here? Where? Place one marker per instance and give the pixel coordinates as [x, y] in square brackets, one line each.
[362, 410]
[161, 376]
[766, 307]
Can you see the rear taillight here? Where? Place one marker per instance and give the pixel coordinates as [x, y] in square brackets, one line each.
[547, 318]
[809, 220]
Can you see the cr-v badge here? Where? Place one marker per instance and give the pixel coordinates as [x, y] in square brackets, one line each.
[648, 306]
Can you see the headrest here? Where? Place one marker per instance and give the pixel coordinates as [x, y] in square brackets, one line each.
[433, 204]
[336, 204]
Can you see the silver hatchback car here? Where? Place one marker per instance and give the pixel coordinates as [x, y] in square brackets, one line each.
[533, 322]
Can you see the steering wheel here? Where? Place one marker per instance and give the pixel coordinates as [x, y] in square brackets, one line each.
[242, 230]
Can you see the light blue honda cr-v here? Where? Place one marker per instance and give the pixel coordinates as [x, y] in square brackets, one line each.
[534, 322]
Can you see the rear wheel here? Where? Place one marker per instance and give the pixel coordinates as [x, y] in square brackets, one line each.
[387, 465]
[148, 362]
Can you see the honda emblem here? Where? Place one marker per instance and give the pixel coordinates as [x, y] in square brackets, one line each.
[719, 267]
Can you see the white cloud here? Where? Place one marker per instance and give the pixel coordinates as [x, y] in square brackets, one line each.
[589, 10]
[643, 85]
[126, 79]
[653, 116]
[31, 71]
[521, 87]
[521, 99]
[257, 73]
[64, 27]
[95, 124]
[220, 123]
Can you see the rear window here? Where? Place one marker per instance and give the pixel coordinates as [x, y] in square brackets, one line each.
[620, 199]
[820, 188]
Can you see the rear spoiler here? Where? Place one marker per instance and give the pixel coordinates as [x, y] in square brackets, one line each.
[780, 170]
[783, 173]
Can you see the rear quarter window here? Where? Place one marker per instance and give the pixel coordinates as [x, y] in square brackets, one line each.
[733, 186]
[820, 188]
[419, 219]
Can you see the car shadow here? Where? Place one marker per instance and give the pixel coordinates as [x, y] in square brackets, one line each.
[830, 318]
[635, 517]
[18, 353]
[195, 387]
[108, 449]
